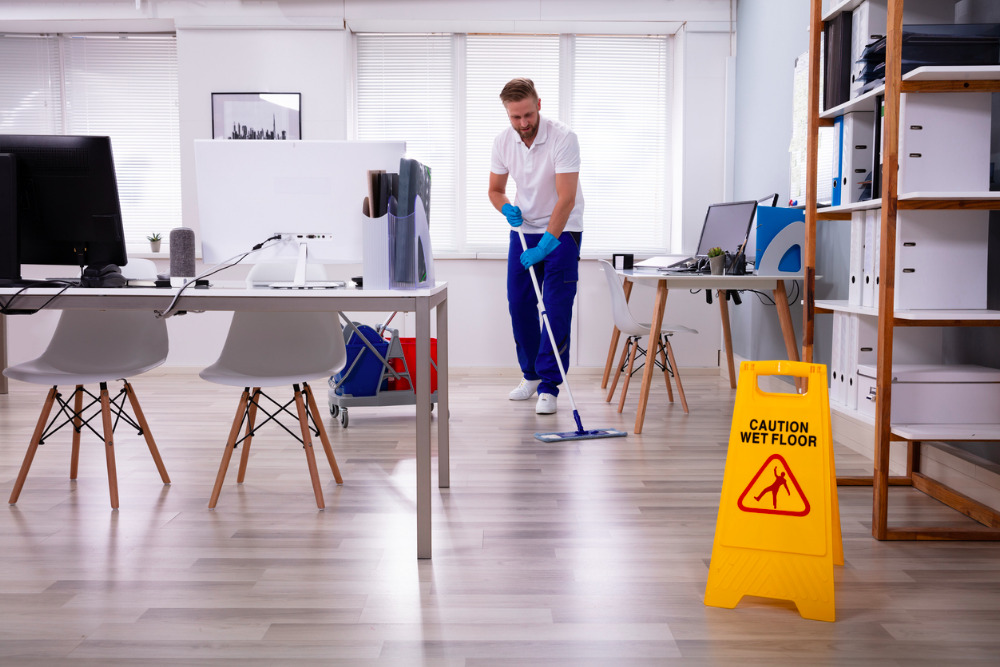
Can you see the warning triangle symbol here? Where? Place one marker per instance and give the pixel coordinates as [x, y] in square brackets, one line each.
[774, 490]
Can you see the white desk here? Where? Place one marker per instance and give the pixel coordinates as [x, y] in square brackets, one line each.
[228, 296]
[701, 281]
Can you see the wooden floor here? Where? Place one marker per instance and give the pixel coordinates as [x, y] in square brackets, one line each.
[577, 554]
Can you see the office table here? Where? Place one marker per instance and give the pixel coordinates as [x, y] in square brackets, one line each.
[232, 296]
[701, 281]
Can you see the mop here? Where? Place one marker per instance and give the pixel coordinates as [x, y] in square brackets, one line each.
[580, 433]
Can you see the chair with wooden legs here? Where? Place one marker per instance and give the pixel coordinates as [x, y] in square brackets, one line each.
[275, 349]
[662, 353]
[94, 347]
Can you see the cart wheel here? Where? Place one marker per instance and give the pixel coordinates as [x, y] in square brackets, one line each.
[334, 411]
[343, 418]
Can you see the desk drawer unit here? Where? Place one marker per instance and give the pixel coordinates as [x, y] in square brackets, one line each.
[935, 394]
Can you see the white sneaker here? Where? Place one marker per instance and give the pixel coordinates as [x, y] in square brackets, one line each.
[525, 390]
[546, 404]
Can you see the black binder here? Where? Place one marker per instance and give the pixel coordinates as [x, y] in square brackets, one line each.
[837, 60]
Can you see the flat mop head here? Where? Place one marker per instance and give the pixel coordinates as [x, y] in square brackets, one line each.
[581, 435]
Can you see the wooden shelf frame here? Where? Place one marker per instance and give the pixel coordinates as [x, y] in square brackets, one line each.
[929, 80]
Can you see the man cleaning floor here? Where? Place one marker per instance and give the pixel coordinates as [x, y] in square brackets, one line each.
[543, 156]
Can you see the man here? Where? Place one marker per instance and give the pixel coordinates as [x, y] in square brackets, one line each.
[543, 156]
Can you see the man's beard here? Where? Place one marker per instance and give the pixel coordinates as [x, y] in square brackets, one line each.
[529, 134]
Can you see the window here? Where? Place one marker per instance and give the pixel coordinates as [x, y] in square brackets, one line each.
[615, 92]
[121, 86]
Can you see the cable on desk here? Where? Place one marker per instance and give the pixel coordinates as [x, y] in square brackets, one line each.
[6, 309]
[225, 264]
[763, 297]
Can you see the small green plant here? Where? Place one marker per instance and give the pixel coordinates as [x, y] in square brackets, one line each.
[154, 238]
[715, 252]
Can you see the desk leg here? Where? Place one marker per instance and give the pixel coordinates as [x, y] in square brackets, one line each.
[787, 329]
[615, 337]
[3, 353]
[647, 372]
[785, 318]
[727, 335]
[423, 444]
[444, 459]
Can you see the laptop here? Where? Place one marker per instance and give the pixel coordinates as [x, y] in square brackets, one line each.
[726, 226]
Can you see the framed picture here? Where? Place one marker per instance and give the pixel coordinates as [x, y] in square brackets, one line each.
[256, 116]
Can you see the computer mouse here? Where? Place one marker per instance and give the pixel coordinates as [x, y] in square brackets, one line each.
[109, 268]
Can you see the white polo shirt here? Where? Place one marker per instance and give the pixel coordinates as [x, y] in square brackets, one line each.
[555, 150]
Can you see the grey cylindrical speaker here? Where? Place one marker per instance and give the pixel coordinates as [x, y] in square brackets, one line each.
[182, 252]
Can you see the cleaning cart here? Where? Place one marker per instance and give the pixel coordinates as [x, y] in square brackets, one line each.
[380, 370]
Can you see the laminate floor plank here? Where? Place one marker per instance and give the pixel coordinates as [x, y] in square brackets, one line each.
[582, 553]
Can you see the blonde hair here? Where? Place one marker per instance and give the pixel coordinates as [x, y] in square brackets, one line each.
[517, 90]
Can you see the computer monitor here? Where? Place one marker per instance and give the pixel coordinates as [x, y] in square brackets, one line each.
[311, 191]
[727, 226]
[66, 209]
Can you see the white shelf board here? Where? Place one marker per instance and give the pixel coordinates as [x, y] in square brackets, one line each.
[929, 432]
[866, 102]
[871, 204]
[977, 315]
[973, 195]
[838, 6]
[953, 73]
[851, 208]
[845, 307]
[853, 414]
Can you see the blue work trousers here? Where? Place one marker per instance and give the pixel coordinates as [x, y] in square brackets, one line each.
[557, 276]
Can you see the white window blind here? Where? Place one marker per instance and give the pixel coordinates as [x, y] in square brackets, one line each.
[614, 92]
[126, 88]
[621, 102]
[30, 101]
[406, 91]
[490, 62]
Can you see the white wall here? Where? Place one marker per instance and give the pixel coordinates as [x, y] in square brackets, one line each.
[301, 46]
[772, 33]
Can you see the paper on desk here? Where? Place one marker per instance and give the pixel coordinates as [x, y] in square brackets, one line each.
[661, 262]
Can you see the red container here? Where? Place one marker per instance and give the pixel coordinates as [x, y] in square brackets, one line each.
[410, 354]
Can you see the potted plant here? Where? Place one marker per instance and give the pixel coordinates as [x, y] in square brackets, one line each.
[716, 261]
[154, 242]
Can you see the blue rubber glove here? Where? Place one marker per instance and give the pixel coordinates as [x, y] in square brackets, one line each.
[513, 214]
[539, 252]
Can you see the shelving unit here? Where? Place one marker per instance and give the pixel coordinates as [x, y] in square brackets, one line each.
[923, 80]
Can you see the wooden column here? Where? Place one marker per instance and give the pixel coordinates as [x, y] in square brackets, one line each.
[812, 150]
[887, 268]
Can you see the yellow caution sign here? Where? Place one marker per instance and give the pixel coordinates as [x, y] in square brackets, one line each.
[778, 530]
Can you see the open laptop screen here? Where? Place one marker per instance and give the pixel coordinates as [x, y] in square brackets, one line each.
[726, 226]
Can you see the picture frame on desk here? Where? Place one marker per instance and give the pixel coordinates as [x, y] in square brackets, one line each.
[257, 116]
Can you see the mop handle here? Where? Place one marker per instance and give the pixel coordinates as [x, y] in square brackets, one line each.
[548, 327]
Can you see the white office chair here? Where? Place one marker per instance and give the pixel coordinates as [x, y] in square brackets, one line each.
[94, 346]
[633, 331]
[272, 349]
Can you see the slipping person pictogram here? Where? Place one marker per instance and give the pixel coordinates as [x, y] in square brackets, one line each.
[779, 481]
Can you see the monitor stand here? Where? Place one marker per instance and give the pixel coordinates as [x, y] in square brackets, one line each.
[299, 281]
